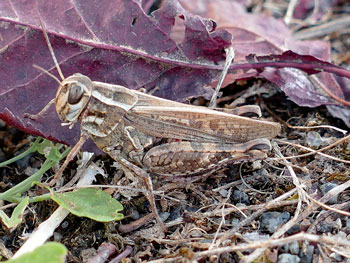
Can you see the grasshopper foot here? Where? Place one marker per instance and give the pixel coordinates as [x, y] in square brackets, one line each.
[41, 113]
[31, 116]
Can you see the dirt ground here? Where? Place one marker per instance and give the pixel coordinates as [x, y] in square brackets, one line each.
[226, 216]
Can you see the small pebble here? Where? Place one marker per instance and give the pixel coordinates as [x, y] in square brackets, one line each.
[325, 226]
[65, 224]
[348, 224]
[307, 256]
[191, 208]
[30, 171]
[288, 258]
[235, 221]
[164, 216]
[135, 214]
[293, 230]
[326, 188]
[240, 197]
[336, 257]
[57, 236]
[314, 139]
[294, 248]
[270, 221]
[23, 163]
[223, 193]
[175, 213]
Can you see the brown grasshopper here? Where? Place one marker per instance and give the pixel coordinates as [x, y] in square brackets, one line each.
[151, 135]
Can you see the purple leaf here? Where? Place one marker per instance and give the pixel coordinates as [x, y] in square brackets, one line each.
[340, 112]
[172, 53]
[296, 85]
[110, 41]
[274, 52]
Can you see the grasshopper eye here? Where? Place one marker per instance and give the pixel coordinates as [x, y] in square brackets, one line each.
[75, 94]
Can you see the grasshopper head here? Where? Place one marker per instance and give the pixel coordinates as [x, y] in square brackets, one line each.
[72, 96]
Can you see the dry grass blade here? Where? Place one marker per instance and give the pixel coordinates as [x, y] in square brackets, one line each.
[275, 242]
[311, 151]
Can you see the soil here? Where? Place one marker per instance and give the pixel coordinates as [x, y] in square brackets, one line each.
[194, 210]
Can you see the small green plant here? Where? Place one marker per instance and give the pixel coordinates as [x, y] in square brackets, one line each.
[86, 202]
[16, 217]
[50, 252]
[53, 156]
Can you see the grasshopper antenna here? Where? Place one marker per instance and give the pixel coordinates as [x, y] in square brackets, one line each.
[47, 73]
[50, 48]
[46, 108]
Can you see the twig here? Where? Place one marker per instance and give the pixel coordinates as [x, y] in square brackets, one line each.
[233, 209]
[312, 152]
[122, 255]
[289, 14]
[103, 253]
[273, 243]
[222, 219]
[136, 224]
[324, 29]
[229, 57]
[325, 214]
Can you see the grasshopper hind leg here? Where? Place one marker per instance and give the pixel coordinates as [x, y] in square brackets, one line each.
[194, 158]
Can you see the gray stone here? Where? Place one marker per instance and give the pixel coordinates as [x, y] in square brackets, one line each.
[288, 258]
[270, 221]
[326, 188]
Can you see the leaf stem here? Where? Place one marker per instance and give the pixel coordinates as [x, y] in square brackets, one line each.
[27, 183]
[31, 149]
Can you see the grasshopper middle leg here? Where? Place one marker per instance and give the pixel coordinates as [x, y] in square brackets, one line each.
[146, 177]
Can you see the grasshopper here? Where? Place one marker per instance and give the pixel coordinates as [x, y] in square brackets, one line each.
[151, 135]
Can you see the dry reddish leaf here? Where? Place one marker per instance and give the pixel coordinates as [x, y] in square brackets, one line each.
[266, 36]
[173, 53]
[113, 41]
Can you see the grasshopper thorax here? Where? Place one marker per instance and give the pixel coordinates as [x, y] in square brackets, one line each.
[72, 96]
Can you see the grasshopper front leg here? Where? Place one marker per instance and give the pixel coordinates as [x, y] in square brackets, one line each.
[72, 154]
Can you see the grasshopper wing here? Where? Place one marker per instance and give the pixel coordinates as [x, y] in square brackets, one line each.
[198, 123]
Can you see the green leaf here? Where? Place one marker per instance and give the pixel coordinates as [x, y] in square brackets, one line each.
[50, 150]
[91, 203]
[43, 147]
[50, 252]
[16, 217]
